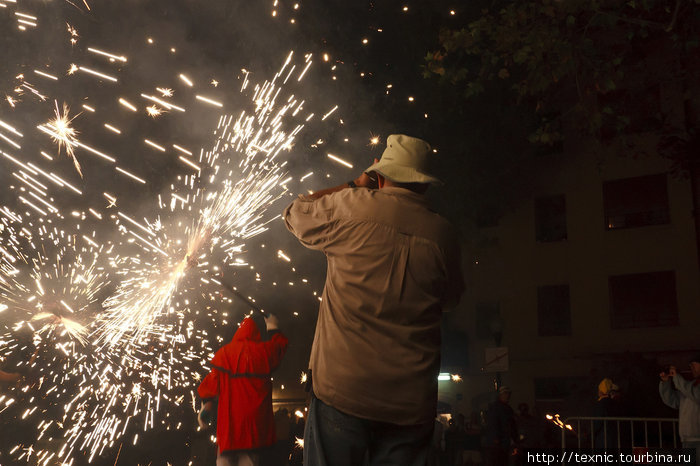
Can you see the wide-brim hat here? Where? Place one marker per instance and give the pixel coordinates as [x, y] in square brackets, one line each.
[405, 160]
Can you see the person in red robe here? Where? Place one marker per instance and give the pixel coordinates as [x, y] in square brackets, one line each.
[240, 381]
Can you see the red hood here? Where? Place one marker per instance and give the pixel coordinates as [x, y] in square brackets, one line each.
[247, 331]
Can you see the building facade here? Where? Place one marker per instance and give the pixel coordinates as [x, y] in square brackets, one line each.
[594, 275]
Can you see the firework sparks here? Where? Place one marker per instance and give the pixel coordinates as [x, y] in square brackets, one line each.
[154, 111]
[106, 366]
[339, 160]
[64, 134]
[230, 212]
[72, 327]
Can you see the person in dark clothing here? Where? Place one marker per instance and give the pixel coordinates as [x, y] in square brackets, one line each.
[605, 433]
[501, 431]
[240, 379]
[283, 427]
[453, 441]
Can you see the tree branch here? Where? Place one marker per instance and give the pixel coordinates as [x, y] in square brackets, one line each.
[674, 18]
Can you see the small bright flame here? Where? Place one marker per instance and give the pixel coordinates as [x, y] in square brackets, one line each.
[64, 134]
[154, 111]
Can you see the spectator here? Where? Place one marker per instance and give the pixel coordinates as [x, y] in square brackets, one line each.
[605, 433]
[455, 440]
[684, 395]
[393, 266]
[501, 431]
[530, 430]
[436, 444]
[451, 442]
[283, 428]
[240, 379]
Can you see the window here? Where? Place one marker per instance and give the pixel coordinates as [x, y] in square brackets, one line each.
[643, 300]
[550, 218]
[636, 202]
[553, 311]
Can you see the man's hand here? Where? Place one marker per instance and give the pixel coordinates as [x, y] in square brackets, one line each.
[665, 376]
[367, 181]
[363, 181]
[272, 322]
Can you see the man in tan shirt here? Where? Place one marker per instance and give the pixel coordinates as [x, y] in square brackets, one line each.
[393, 265]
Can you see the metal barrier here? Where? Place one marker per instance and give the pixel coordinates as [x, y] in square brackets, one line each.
[626, 432]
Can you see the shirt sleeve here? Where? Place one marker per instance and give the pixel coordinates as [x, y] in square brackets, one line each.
[668, 395]
[275, 348]
[209, 388]
[687, 388]
[310, 220]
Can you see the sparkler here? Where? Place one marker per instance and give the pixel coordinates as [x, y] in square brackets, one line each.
[56, 321]
[230, 211]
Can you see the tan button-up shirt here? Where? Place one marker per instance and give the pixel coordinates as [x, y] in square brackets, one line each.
[392, 267]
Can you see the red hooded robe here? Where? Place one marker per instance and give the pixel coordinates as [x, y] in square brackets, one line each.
[240, 378]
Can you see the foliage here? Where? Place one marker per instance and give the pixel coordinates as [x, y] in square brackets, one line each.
[597, 64]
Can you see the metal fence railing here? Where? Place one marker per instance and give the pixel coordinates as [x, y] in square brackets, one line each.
[620, 432]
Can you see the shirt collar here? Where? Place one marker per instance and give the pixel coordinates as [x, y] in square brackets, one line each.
[403, 192]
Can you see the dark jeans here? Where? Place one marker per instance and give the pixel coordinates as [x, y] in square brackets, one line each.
[333, 438]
